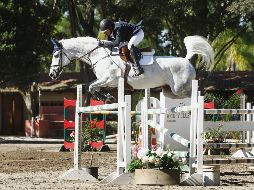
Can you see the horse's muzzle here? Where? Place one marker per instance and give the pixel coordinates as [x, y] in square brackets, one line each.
[52, 76]
[55, 73]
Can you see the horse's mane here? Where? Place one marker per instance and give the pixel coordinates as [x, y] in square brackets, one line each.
[83, 38]
[79, 42]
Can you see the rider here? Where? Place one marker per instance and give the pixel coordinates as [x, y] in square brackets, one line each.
[118, 33]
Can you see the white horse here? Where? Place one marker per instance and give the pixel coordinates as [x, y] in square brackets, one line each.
[173, 74]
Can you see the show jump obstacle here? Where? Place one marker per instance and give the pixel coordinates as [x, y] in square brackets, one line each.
[196, 143]
[123, 108]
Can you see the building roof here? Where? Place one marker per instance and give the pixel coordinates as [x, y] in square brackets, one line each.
[64, 82]
[228, 80]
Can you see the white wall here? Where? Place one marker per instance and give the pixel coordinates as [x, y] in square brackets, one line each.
[175, 122]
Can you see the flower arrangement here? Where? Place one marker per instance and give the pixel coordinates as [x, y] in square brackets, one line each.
[90, 133]
[144, 158]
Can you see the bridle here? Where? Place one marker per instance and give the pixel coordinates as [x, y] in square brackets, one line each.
[60, 66]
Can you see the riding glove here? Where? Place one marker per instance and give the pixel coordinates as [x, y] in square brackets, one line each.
[100, 43]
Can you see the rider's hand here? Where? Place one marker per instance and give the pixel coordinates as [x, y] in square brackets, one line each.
[100, 43]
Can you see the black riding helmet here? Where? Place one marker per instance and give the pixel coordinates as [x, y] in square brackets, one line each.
[106, 24]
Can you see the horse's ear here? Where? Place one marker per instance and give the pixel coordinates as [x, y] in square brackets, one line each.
[57, 45]
[60, 45]
[52, 40]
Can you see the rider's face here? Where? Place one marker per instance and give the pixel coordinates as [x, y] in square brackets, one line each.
[107, 32]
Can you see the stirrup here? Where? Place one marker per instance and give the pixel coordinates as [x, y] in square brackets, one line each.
[127, 70]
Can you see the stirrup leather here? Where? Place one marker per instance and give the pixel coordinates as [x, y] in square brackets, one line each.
[136, 55]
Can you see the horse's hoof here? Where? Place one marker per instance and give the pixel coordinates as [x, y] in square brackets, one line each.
[91, 90]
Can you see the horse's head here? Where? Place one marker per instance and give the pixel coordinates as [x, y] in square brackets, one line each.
[59, 60]
[67, 50]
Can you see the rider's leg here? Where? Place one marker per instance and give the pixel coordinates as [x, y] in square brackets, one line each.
[134, 41]
[125, 55]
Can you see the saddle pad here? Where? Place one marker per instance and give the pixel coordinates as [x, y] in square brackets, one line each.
[146, 60]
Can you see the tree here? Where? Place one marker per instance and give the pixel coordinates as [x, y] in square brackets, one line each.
[237, 44]
[25, 30]
[243, 9]
[238, 55]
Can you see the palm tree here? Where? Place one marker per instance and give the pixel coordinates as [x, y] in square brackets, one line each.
[234, 52]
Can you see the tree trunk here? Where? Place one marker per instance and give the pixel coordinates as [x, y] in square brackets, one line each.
[28, 104]
[30, 97]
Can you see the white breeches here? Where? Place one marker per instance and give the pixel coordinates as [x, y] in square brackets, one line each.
[136, 39]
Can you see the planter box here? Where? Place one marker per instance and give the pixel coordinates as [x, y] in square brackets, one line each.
[157, 177]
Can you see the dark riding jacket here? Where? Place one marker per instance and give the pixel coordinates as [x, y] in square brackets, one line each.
[122, 32]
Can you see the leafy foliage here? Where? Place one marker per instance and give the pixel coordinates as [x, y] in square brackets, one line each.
[232, 102]
[135, 164]
[25, 29]
[217, 135]
[239, 55]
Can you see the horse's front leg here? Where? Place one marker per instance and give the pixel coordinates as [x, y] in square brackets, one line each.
[95, 86]
[107, 79]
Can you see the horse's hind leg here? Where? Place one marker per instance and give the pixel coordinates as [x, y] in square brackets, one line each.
[166, 90]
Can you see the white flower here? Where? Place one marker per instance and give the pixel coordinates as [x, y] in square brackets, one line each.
[169, 154]
[175, 158]
[157, 161]
[142, 152]
[184, 160]
[164, 153]
[144, 159]
[146, 150]
[151, 159]
[159, 152]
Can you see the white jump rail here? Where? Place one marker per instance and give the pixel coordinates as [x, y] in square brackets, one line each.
[103, 107]
[123, 138]
[229, 111]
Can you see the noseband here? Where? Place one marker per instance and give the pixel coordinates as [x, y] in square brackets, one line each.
[63, 53]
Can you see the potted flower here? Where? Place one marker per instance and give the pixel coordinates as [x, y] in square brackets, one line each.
[155, 167]
[90, 133]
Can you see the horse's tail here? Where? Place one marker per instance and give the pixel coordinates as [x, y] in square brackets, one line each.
[199, 45]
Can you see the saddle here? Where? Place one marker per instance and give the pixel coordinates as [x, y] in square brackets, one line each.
[124, 53]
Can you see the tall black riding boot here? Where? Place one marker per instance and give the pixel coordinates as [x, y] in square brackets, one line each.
[135, 64]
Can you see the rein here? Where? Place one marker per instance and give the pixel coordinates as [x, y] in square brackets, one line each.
[82, 56]
[62, 52]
